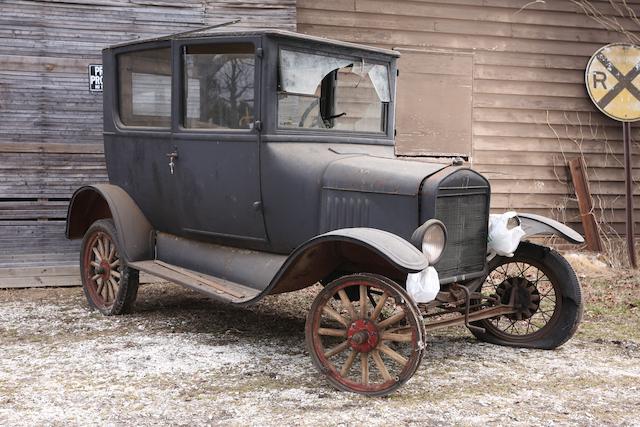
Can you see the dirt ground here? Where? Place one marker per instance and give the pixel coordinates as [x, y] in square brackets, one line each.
[182, 359]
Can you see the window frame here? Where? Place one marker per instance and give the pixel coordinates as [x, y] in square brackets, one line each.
[179, 79]
[387, 115]
[132, 49]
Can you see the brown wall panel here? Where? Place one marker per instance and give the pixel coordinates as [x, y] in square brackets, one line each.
[530, 109]
[51, 125]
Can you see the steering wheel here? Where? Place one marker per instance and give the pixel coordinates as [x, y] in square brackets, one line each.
[317, 121]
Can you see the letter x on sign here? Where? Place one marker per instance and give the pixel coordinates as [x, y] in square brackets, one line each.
[613, 81]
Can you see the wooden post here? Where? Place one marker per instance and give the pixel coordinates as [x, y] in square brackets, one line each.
[581, 186]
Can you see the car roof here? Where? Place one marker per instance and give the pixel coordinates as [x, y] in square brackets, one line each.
[212, 32]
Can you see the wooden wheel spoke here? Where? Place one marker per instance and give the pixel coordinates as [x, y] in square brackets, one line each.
[337, 349]
[105, 291]
[348, 363]
[332, 332]
[95, 277]
[101, 249]
[95, 264]
[114, 283]
[112, 252]
[378, 309]
[115, 263]
[335, 315]
[114, 273]
[100, 285]
[112, 292]
[392, 320]
[377, 359]
[386, 336]
[363, 302]
[364, 367]
[97, 254]
[395, 356]
[346, 303]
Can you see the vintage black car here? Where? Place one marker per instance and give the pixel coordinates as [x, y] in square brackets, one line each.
[250, 163]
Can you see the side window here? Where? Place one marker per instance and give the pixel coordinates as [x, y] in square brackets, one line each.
[144, 93]
[326, 92]
[219, 86]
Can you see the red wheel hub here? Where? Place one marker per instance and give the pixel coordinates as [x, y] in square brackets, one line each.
[104, 270]
[363, 335]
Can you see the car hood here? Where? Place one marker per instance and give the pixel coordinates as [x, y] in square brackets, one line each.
[378, 175]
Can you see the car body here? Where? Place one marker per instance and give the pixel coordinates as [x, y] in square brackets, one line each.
[249, 163]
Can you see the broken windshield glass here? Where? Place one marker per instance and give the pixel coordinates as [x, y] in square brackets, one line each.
[325, 92]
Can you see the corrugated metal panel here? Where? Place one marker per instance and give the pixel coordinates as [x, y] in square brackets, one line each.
[531, 111]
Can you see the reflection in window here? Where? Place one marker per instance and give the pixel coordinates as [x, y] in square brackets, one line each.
[219, 86]
[144, 80]
[324, 92]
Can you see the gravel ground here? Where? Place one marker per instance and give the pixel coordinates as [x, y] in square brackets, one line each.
[182, 359]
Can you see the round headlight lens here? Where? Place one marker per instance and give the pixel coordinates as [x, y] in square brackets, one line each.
[434, 241]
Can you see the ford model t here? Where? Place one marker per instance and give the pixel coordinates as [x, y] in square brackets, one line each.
[251, 163]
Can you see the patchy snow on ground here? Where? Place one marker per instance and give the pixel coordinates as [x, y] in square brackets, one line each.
[181, 359]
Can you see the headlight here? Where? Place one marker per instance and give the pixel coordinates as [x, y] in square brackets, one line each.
[431, 238]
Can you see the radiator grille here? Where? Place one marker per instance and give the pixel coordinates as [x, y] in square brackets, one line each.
[464, 213]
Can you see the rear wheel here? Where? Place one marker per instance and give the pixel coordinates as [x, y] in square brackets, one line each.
[109, 285]
[546, 295]
[371, 344]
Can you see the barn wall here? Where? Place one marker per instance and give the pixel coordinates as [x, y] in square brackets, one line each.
[530, 109]
[51, 126]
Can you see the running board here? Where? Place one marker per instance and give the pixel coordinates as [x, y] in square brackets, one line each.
[214, 287]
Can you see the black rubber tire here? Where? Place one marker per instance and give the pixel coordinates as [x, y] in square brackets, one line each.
[564, 322]
[127, 289]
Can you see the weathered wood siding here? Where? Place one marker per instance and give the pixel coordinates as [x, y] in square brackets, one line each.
[51, 126]
[530, 109]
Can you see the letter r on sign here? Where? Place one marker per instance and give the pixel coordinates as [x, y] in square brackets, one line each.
[599, 77]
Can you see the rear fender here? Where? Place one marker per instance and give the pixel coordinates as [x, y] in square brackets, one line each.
[534, 225]
[93, 202]
[348, 250]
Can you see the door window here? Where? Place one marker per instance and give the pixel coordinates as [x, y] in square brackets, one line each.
[219, 86]
[144, 79]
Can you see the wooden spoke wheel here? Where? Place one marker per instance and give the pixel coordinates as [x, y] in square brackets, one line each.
[546, 298]
[369, 344]
[109, 285]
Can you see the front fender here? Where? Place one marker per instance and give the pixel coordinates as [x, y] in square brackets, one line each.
[93, 202]
[347, 250]
[539, 225]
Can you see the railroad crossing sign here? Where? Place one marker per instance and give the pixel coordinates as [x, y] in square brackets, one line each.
[613, 81]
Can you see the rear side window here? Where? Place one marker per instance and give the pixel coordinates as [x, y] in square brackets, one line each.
[219, 86]
[144, 79]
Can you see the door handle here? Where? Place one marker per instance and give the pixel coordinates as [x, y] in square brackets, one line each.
[172, 157]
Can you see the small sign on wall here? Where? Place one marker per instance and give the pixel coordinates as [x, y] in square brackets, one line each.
[95, 78]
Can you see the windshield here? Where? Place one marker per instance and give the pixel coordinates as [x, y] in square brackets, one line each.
[325, 92]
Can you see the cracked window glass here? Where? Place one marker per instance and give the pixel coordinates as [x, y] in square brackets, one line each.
[326, 92]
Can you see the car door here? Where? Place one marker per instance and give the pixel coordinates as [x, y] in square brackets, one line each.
[214, 159]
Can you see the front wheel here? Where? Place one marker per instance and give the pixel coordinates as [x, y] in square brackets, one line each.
[108, 283]
[546, 295]
[365, 334]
